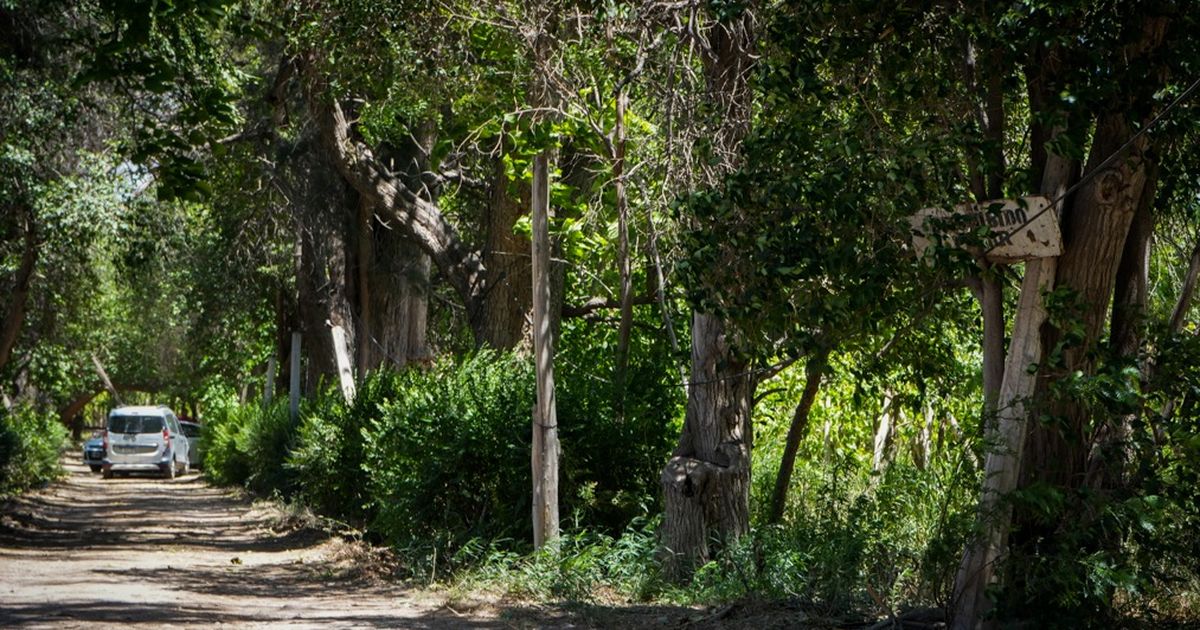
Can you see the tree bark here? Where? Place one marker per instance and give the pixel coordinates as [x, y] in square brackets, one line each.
[813, 372]
[14, 315]
[1133, 273]
[1109, 458]
[397, 304]
[326, 283]
[1008, 433]
[1095, 229]
[623, 266]
[503, 316]
[706, 484]
[417, 218]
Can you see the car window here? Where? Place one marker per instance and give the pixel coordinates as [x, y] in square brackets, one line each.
[174, 424]
[191, 430]
[135, 424]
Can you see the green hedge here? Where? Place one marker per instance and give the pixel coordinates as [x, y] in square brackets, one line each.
[30, 445]
[430, 459]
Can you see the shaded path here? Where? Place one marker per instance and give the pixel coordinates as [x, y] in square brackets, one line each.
[151, 553]
[148, 552]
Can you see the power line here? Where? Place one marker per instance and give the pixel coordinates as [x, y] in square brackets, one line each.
[1100, 167]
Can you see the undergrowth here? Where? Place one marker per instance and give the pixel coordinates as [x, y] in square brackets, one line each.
[30, 445]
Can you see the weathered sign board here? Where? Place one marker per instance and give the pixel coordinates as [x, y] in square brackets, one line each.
[1004, 230]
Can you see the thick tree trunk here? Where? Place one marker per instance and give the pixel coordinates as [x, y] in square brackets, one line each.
[397, 302]
[417, 218]
[14, 314]
[325, 211]
[813, 373]
[1133, 273]
[502, 320]
[1110, 454]
[1095, 230]
[706, 484]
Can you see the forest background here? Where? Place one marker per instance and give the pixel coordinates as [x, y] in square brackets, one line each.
[757, 386]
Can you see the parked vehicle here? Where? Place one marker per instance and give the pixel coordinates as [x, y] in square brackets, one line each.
[147, 439]
[93, 452]
[195, 444]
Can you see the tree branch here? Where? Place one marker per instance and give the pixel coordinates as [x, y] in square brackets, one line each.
[419, 219]
[594, 304]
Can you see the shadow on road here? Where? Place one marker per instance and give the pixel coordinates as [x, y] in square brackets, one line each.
[149, 552]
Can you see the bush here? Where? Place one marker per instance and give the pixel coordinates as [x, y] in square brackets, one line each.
[326, 461]
[248, 445]
[447, 452]
[432, 459]
[30, 446]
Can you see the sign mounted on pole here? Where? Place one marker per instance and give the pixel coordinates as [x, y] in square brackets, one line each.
[1003, 230]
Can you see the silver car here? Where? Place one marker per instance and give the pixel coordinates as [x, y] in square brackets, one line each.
[145, 439]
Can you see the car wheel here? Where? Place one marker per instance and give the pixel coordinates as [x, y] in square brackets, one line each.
[169, 470]
[107, 474]
[95, 468]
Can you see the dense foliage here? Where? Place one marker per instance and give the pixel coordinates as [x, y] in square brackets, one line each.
[30, 445]
[433, 460]
[186, 186]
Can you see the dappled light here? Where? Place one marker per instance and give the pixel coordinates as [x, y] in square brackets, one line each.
[670, 313]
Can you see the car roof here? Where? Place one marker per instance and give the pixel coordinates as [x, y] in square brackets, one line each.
[140, 409]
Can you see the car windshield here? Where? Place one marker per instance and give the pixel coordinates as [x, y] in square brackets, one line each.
[190, 430]
[135, 424]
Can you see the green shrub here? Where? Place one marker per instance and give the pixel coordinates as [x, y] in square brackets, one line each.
[326, 461]
[447, 452]
[248, 445]
[431, 459]
[30, 445]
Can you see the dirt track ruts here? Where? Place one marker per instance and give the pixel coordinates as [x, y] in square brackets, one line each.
[153, 553]
[139, 551]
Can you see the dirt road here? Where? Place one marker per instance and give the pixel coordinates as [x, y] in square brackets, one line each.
[148, 552]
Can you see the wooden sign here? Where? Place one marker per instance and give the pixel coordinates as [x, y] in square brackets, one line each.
[1004, 230]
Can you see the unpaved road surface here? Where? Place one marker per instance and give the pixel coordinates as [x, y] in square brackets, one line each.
[145, 552]
[140, 552]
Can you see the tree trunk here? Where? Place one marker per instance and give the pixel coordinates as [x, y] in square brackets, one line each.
[506, 308]
[990, 295]
[326, 283]
[1095, 230]
[1003, 464]
[813, 373]
[396, 300]
[417, 218]
[881, 458]
[1110, 454]
[706, 483]
[14, 315]
[623, 268]
[1184, 302]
